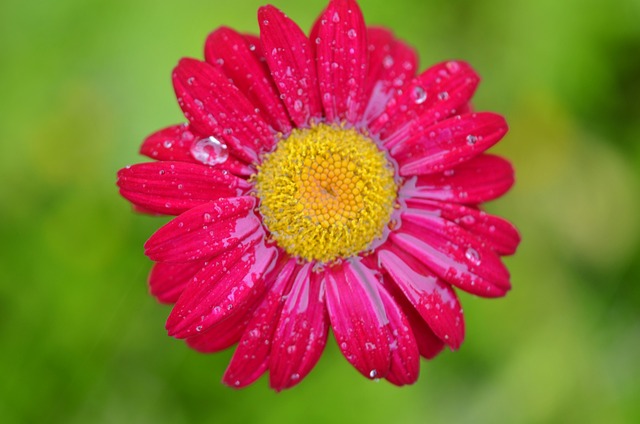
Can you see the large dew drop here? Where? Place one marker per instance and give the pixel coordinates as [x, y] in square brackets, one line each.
[210, 151]
[419, 95]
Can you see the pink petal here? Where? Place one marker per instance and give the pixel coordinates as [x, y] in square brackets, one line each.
[392, 64]
[438, 93]
[405, 357]
[255, 46]
[234, 55]
[204, 231]
[290, 59]
[452, 254]
[224, 334]
[448, 143]
[171, 143]
[499, 234]
[176, 143]
[436, 301]
[230, 281]
[358, 318]
[301, 334]
[483, 178]
[428, 343]
[167, 280]
[175, 187]
[342, 58]
[251, 358]
[214, 106]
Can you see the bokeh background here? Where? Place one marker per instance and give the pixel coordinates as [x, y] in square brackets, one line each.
[81, 341]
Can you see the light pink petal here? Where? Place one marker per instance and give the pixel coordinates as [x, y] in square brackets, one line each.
[167, 280]
[498, 233]
[392, 64]
[358, 318]
[405, 357]
[301, 334]
[214, 106]
[452, 253]
[342, 58]
[251, 358]
[438, 93]
[483, 178]
[290, 59]
[231, 52]
[448, 143]
[224, 334]
[226, 284]
[204, 231]
[435, 300]
[175, 187]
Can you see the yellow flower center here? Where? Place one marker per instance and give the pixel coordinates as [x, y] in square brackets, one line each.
[326, 193]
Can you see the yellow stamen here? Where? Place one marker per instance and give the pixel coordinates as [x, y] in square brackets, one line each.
[326, 192]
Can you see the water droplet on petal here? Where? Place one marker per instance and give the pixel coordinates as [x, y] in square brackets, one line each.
[210, 151]
[471, 139]
[373, 373]
[297, 105]
[352, 33]
[336, 17]
[419, 95]
[387, 62]
[473, 256]
[443, 96]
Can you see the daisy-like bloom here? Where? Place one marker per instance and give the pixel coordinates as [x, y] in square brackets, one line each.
[321, 183]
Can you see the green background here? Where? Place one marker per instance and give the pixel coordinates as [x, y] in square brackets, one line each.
[83, 82]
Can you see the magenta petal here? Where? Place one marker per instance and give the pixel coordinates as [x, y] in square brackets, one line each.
[235, 56]
[448, 143]
[290, 59]
[224, 334]
[392, 64]
[405, 357]
[167, 280]
[358, 318]
[342, 58]
[436, 301]
[215, 293]
[214, 106]
[452, 253]
[204, 231]
[438, 93]
[483, 178]
[251, 358]
[171, 143]
[176, 143]
[302, 332]
[498, 233]
[175, 187]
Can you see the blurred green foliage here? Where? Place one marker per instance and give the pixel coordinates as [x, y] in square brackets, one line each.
[83, 82]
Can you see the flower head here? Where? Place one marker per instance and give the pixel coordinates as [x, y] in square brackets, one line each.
[320, 183]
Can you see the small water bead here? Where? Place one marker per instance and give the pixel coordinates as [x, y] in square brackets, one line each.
[443, 96]
[471, 139]
[352, 33]
[473, 256]
[167, 144]
[419, 95]
[297, 105]
[387, 62]
[210, 151]
[373, 373]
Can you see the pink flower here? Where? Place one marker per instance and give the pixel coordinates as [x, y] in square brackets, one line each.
[320, 183]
